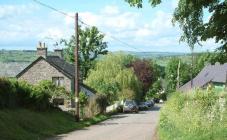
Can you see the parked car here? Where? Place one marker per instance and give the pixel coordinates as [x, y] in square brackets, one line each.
[143, 106]
[130, 106]
[150, 103]
[156, 100]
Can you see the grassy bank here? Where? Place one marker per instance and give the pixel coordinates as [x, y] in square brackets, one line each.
[199, 115]
[23, 124]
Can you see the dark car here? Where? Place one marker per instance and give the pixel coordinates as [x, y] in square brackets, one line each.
[150, 103]
[143, 106]
[130, 106]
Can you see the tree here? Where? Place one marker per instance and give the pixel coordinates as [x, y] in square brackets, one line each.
[111, 76]
[91, 45]
[156, 91]
[171, 73]
[144, 73]
[190, 14]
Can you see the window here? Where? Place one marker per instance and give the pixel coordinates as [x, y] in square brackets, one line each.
[58, 81]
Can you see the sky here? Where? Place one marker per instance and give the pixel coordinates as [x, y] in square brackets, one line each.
[23, 23]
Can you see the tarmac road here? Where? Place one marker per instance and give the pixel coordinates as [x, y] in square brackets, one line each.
[140, 126]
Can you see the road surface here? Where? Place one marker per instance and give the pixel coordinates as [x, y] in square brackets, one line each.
[139, 126]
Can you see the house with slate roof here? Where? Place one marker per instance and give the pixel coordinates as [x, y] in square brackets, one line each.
[215, 75]
[53, 68]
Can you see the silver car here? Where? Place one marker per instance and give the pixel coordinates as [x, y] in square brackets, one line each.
[130, 106]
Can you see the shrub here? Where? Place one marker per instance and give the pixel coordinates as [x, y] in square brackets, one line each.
[197, 115]
[15, 94]
[83, 100]
[7, 93]
[102, 102]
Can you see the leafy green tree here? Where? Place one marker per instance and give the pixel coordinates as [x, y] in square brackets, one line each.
[171, 73]
[111, 76]
[91, 45]
[190, 16]
[155, 88]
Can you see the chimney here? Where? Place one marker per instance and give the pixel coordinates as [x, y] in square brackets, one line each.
[59, 52]
[41, 50]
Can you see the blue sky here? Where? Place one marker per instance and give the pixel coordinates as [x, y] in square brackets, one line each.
[23, 23]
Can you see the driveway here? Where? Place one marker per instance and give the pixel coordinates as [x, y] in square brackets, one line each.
[139, 126]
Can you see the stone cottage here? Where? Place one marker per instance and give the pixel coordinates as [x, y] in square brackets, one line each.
[53, 68]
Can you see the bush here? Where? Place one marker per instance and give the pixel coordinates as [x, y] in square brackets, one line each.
[14, 94]
[83, 100]
[198, 115]
[102, 103]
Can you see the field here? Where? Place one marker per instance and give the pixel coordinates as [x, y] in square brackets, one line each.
[8, 56]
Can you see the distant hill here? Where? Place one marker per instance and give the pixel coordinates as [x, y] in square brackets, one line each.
[155, 54]
[18, 55]
[30, 55]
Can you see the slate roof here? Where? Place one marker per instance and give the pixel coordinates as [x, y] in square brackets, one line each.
[11, 69]
[61, 64]
[210, 73]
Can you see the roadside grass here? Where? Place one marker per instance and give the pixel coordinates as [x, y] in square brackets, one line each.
[23, 124]
[199, 115]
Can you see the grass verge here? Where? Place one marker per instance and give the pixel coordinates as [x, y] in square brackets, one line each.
[23, 124]
[198, 115]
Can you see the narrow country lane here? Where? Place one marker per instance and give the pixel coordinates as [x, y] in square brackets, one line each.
[139, 126]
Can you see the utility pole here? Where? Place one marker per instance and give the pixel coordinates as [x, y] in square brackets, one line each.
[178, 76]
[77, 113]
[192, 66]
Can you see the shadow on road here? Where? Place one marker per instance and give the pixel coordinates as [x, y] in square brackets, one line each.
[114, 120]
[155, 108]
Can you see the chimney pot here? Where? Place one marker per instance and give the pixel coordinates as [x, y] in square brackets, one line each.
[41, 50]
[59, 52]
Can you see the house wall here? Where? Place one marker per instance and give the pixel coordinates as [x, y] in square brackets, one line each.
[219, 86]
[42, 70]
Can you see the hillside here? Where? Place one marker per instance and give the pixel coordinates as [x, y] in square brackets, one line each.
[30, 55]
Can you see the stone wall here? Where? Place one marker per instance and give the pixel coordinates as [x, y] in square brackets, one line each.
[42, 70]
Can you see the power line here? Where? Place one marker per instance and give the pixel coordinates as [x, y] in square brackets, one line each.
[52, 8]
[82, 22]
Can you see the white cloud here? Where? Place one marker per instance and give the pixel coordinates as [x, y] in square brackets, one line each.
[110, 10]
[7, 11]
[111, 18]
[154, 31]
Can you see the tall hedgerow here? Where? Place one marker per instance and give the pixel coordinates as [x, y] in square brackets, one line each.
[198, 115]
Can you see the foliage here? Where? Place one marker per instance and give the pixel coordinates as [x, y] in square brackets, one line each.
[83, 100]
[144, 73]
[102, 102]
[110, 76]
[190, 16]
[91, 45]
[23, 124]
[197, 115]
[158, 70]
[53, 90]
[155, 89]
[127, 94]
[171, 73]
[139, 3]
[14, 94]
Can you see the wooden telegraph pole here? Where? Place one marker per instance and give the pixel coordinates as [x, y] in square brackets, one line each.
[77, 116]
